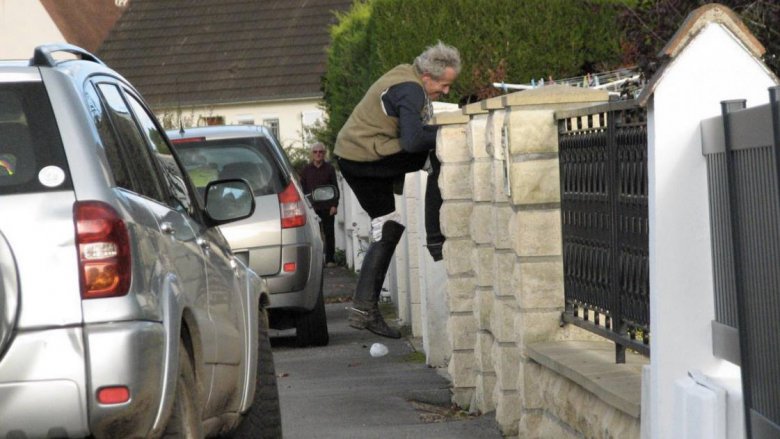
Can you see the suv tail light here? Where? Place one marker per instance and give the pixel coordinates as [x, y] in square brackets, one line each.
[291, 205]
[104, 250]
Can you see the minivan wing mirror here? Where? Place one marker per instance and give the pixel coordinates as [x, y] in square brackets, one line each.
[229, 200]
[324, 193]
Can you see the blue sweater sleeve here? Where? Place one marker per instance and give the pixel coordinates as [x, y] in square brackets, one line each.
[405, 101]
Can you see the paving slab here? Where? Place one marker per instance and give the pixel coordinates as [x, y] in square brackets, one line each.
[341, 391]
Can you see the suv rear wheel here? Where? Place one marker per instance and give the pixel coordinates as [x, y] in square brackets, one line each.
[185, 420]
[264, 418]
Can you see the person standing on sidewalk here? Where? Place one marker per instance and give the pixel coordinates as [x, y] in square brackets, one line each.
[320, 173]
[386, 137]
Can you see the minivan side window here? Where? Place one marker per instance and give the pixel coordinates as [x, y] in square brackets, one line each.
[159, 147]
[135, 151]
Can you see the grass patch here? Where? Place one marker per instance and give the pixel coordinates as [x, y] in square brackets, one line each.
[415, 357]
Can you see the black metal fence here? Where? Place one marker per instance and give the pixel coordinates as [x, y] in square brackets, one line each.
[742, 148]
[603, 168]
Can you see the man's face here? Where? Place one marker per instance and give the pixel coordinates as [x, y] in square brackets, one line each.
[318, 155]
[435, 87]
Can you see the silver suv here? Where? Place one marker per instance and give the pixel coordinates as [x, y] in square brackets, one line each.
[123, 312]
[282, 240]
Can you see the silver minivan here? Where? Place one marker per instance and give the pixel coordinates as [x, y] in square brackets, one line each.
[282, 240]
[123, 312]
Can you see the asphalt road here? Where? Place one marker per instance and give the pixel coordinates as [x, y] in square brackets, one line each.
[341, 391]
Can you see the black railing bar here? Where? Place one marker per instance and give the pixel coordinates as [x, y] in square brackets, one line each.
[728, 107]
[614, 298]
[623, 341]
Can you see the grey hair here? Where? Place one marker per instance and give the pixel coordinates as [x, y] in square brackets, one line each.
[436, 59]
[316, 144]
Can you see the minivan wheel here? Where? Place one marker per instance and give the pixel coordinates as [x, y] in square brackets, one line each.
[185, 419]
[311, 328]
[264, 418]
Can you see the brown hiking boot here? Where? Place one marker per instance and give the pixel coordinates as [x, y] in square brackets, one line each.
[373, 321]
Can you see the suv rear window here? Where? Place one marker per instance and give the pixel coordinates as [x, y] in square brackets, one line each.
[249, 158]
[32, 158]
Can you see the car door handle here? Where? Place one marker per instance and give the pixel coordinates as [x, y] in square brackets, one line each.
[167, 228]
[205, 245]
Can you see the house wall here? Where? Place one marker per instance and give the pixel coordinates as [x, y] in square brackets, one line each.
[25, 24]
[504, 273]
[712, 68]
[293, 115]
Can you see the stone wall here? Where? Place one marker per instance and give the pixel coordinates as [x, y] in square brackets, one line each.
[504, 287]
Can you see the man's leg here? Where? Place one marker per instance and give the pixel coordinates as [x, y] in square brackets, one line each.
[375, 194]
[433, 236]
[330, 238]
[365, 310]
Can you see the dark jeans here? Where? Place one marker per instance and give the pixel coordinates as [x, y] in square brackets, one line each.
[328, 231]
[374, 182]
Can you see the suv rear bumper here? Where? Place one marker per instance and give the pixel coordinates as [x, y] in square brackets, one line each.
[45, 370]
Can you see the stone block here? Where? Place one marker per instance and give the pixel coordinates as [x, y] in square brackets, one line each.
[532, 131]
[534, 326]
[484, 351]
[535, 182]
[530, 423]
[475, 133]
[573, 406]
[536, 232]
[508, 411]
[454, 217]
[480, 223]
[502, 320]
[452, 145]
[457, 256]
[494, 133]
[502, 221]
[482, 180]
[462, 371]
[455, 181]
[503, 273]
[482, 261]
[483, 310]
[483, 396]
[531, 390]
[499, 182]
[506, 357]
[462, 331]
[539, 284]
[460, 294]
[463, 397]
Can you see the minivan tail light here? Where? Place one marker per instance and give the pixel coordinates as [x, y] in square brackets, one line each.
[292, 208]
[103, 245]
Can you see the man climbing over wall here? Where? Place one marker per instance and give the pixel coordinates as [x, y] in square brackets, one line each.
[386, 137]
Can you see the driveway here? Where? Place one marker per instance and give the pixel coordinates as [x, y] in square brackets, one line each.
[341, 391]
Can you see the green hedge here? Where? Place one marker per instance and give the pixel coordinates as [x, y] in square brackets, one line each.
[509, 40]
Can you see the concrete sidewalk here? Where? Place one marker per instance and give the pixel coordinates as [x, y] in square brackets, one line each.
[341, 391]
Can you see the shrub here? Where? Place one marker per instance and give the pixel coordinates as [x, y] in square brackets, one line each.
[499, 40]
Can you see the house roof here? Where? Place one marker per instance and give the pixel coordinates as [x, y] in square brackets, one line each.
[697, 20]
[84, 23]
[201, 52]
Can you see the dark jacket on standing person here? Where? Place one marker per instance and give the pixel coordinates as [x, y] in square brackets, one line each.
[312, 177]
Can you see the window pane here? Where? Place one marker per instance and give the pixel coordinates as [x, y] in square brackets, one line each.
[30, 141]
[273, 126]
[161, 151]
[110, 144]
[134, 146]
